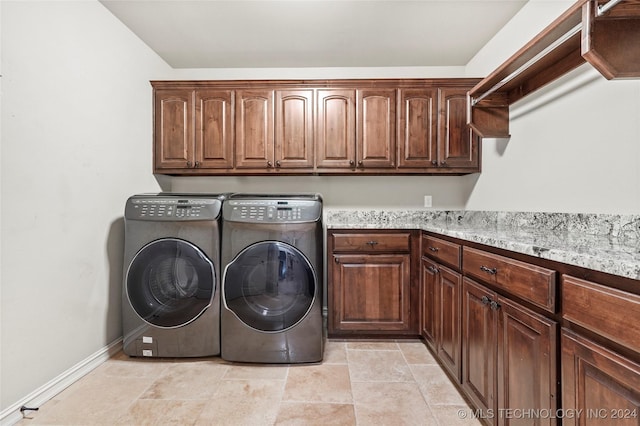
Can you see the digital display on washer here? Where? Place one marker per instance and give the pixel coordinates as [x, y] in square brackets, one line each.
[284, 208]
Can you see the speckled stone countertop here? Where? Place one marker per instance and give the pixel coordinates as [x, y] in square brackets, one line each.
[602, 242]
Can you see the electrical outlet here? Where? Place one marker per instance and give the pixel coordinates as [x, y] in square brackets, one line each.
[427, 201]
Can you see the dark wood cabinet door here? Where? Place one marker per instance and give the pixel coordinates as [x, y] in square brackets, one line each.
[294, 129]
[376, 136]
[417, 128]
[429, 306]
[449, 331]
[527, 365]
[458, 145]
[173, 132]
[479, 322]
[254, 129]
[370, 293]
[214, 129]
[600, 385]
[335, 129]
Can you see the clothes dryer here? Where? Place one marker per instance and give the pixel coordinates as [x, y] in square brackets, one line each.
[272, 249]
[170, 297]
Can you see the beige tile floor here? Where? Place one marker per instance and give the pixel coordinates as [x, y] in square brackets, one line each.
[358, 383]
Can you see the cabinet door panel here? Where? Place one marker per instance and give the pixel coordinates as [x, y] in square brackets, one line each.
[376, 137]
[458, 146]
[254, 129]
[449, 331]
[526, 361]
[336, 128]
[294, 129]
[479, 323]
[174, 129]
[214, 131]
[429, 305]
[601, 385]
[371, 292]
[417, 128]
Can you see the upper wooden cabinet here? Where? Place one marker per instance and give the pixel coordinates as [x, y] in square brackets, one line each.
[193, 129]
[314, 127]
[604, 33]
[458, 144]
[376, 136]
[335, 134]
[257, 145]
[417, 128]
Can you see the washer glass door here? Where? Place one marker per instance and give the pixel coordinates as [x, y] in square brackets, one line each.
[170, 282]
[269, 286]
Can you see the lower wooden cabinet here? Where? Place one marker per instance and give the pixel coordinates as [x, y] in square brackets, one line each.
[371, 284]
[599, 386]
[508, 356]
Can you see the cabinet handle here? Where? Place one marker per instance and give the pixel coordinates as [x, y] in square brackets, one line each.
[443, 163]
[197, 164]
[336, 260]
[372, 243]
[433, 269]
[360, 163]
[491, 271]
[434, 162]
[494, 305]
[352, 163]
[269, 164]
[277, 163]
[485, 300]
[433, 249]
[189, 164]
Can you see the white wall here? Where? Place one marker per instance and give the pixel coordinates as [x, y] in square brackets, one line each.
[574, 146]
[76, 141]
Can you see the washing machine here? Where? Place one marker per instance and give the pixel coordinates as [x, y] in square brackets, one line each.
[272, 250]
[171, 286]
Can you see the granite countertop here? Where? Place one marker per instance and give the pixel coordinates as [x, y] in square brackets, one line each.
[606, 243]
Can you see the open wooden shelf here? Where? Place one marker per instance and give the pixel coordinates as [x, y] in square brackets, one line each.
[609, 41]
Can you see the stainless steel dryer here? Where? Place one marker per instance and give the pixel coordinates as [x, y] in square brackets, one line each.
[272, 250]
[170, 298]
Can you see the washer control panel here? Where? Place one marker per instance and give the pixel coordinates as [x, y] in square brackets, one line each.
[272, 210]
[172, 208]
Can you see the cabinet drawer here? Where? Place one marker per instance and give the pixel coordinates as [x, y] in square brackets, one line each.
[441, 250]
[529, 282]
[607, 311]
[371, 243]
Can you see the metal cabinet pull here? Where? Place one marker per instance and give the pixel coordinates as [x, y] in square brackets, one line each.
[485, 300]
[372, 243]
[494, 305]
[433, 249]
[351, 162]
[269, 164]
[277, 163]
[360, 163]
[197, 164]
[491, 271]
[189, 164]
[433, 269]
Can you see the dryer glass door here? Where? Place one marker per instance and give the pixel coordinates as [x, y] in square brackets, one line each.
[170, 282]
[270, 286]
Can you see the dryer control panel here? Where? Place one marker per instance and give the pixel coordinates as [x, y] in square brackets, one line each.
[161, 208]
[272, 210]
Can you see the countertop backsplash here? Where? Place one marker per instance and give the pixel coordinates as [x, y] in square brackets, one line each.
[603, 242]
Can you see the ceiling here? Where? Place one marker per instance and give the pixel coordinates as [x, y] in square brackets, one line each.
[314, 33]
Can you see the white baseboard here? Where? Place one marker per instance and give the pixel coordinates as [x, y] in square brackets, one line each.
[12, 415]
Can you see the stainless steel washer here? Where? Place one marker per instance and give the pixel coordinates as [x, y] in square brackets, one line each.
[272, 250]
[170, 297]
